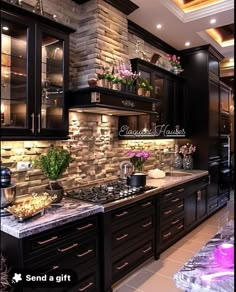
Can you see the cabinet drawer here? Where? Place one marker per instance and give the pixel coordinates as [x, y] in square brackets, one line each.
[212, 205]
[172, 194]
[169, 232]
[124, 235]
[121, 215]
[88, 284]
[166, 212]
[130, 261]
[53, 237]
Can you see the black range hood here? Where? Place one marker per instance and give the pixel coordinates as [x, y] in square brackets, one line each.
[110, 102]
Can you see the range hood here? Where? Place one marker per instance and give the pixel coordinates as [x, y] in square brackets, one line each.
[111, 102]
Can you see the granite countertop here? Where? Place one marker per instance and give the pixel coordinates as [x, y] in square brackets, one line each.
[192, 276]
[69, 210]
[72, 209]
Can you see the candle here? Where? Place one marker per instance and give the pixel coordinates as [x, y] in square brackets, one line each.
[224, 255]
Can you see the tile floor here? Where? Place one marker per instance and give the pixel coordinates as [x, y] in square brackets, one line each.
[157, 276]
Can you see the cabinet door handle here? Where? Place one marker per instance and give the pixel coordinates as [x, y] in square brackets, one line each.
[168, 212]
[180, 190]
[199, 195]
[85, 226]
[146, 204]
[147, 249]
[180, 206]
[47, 240]
[68, 248]
[147, 224]
[39, 123]
[122, 266]
[174, 222]
[175, 200]
[167, 195]
[167, 234]
[86, 287]
[180, 227]
[122, 214]
[122, 237]
[32, 117]
[85, 253]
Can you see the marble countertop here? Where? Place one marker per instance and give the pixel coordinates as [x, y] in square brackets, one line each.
[72, 209]
[67, 211]
[192, 276]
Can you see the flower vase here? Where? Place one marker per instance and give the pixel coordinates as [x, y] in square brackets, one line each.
[178, 162]
[188, 162]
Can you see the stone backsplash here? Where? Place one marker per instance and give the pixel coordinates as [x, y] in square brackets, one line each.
[96, 150]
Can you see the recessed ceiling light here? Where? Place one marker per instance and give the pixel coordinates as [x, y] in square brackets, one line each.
[5, 28]
[213, 20]
[187, 44]
[159, 26]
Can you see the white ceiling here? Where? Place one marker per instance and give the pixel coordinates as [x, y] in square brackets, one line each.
[179, 27]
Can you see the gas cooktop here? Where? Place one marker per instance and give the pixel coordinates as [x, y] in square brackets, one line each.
[106, 193]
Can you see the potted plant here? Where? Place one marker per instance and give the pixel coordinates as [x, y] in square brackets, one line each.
[53, 164]
[144, 87]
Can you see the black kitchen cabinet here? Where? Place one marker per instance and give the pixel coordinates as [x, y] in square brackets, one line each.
[34, 74]
[169, 91]
[128, 239]
[73, 247]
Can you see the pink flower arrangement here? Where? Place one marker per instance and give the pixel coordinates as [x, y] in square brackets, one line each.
[187, 149]
[138, 157]
[128, 77]
[174, 61]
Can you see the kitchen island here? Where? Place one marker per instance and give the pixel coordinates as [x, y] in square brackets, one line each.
[202, 272]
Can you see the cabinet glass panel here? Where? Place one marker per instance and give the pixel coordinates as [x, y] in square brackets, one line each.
[159, 87]
[13, 75]
[52, 82]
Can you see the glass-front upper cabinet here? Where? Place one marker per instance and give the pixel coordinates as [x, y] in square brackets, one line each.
[34, 75]
[15, 75]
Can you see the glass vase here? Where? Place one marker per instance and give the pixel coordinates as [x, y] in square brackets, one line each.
[138, 168]
[188, 162]
[178, 161]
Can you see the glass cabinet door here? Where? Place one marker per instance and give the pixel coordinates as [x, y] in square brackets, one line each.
[51, 112]
[159, 87]
[15, 88]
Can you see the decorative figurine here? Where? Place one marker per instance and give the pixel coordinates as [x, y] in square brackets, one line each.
[38, 8]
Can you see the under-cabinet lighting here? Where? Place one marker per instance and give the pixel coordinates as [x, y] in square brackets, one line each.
[5, 28]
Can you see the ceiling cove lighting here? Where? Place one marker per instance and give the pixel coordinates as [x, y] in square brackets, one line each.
[187, 44]
[159, 26]
[218, 38]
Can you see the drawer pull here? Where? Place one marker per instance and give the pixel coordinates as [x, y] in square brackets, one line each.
[146, 204]
[52, 269]
[122, 266]
[167, 234]
[147, 224]
[122, 214]
[147, 249]
[85, 253]
[174, 222]
[180, 190]
[175, 200]
[180, 206]
[122, 237]
[85, 226]
[167, 195]
[48, 240]
[68, 248]
[180, 227]
[86, 287]
[168, 212]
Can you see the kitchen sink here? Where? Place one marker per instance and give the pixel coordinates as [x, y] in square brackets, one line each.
[178, 173]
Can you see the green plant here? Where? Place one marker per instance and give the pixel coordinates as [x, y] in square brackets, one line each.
[143, 83]
[54, 162]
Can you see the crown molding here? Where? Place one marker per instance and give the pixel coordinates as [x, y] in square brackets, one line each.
[125, 6]
[200, 13]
